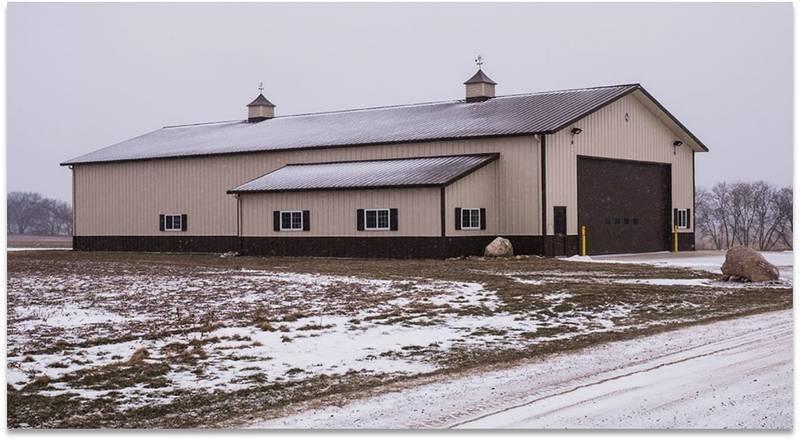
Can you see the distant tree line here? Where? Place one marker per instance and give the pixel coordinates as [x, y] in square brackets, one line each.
[754, 214]
[32, 213]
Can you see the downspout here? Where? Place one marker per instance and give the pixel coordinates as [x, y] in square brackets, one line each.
[694, 207]
[543, 172]
[74, 209]
[239, 222]
[442, 215]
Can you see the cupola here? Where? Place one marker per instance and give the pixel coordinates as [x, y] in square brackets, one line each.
[479, 87]
[260, 109]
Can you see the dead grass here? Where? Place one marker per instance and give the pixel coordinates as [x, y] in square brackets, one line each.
[138, 356]
[94, 280]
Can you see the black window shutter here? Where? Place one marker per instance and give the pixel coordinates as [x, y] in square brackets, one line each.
[306, 220]
[688, 218]
[483, 218]
[458, 218]
[161, 222]
[183, 222]
[360, 219]
[393, 219]
[675, 222]
[276, 220]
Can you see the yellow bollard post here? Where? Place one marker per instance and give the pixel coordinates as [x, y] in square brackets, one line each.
[675, 238]
[583, 240]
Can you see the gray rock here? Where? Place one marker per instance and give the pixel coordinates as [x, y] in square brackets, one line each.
[500, 247]
[747, 265]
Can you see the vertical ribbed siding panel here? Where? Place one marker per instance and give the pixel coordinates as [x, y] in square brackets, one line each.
[125, 198]
[477, 190]
[606, 134]
[334, 211]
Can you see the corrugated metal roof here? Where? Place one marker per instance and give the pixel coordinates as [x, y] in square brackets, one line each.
[479, 77]
[261, 100]
[385, 173]
[544, 112]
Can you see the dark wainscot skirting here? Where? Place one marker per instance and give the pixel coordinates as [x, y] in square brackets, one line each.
[382, 247]
[434, 247]
[378, 247]
[192, 244]
[685, 241]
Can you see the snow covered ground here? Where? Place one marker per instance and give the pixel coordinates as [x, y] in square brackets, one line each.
[729, 374]
[703, 260]
[402, 328]
[231, 337]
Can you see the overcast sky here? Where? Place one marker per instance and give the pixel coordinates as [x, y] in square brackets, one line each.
[81, 77]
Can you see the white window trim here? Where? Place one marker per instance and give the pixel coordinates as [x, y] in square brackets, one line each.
[302, 220]
[479, 219]
[683, 213]
[388, 217]
[179, 216]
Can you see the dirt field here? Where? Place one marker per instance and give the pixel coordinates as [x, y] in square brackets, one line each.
[163, 340]
[20, 241]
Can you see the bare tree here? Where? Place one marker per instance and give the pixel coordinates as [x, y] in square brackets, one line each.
[705, 220]
[31, 213]
[23, 209]
[753, 214]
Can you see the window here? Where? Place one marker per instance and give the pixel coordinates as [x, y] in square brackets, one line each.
[470, 218]
[294, 220]
[173, 222]
[682, 218]
[291, 220]
[377, 219]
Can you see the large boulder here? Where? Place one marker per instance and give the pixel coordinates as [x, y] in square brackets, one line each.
[500, 247]
[747, 265]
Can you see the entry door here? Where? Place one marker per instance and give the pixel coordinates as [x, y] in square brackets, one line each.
[560, 230]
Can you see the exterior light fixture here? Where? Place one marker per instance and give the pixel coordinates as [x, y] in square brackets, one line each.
[675, 146]
[575, 131]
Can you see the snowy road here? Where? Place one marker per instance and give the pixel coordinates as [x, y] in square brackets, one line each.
[729, 374]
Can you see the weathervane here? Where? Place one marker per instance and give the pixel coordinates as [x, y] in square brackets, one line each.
[260, 87]
[479, 61]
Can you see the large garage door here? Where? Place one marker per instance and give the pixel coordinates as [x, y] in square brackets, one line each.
[624, 205]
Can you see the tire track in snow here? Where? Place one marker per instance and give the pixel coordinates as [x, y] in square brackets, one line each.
[733, 344]
[733, 373]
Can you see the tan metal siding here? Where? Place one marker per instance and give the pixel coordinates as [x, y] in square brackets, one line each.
[478, 190]
[607, 134]
[126, 198]
[480, 89]
[333, 213]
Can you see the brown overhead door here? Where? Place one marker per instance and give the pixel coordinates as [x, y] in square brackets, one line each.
[624, 205]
